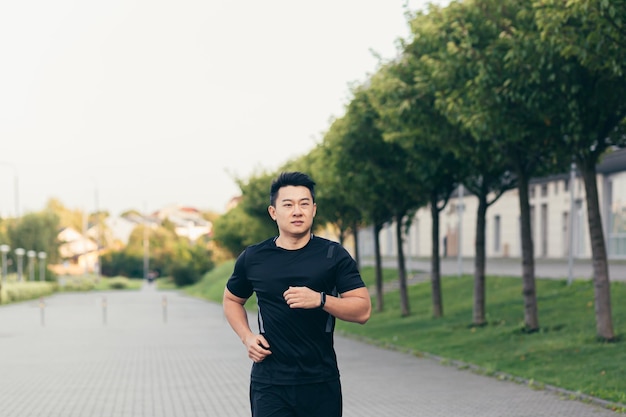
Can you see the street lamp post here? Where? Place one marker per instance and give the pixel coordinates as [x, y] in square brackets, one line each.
[4, 249]
[31, 264]
[20, 256]
[98, 234]
[146, 252]
[146, 246]
[42, 266]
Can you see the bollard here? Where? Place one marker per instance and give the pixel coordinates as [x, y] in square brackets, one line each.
[164, 303]
[104, 310]
[42, 313]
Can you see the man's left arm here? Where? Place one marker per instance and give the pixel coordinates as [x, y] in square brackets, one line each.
[354, 305]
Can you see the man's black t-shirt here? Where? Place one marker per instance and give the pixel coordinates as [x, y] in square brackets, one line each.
[301, 340]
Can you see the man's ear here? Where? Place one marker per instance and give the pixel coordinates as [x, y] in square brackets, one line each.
[272, 211]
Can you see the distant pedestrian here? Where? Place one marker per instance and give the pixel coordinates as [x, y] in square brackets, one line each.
[302, 283]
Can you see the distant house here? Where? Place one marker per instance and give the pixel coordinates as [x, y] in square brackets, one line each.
[117, 231]
[233, 202]
[78, 252]
[188, 221]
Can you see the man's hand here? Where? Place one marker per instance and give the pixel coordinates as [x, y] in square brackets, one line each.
[258, 348]
[302, 297]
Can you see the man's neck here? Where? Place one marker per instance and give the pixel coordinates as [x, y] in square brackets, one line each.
[293, 242]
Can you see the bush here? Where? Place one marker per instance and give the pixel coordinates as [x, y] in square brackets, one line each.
[11, 292]
[184, 275]
[189, 267]
[76, 283]
[122, 263]
[118, 283]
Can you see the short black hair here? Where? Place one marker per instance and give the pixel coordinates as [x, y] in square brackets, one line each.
[291, 178]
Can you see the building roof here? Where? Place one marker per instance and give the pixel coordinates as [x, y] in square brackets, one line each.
[612, 162]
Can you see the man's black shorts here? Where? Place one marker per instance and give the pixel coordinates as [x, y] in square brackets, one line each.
[307, 400]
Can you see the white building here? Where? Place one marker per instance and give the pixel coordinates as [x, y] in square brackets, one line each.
[188, 221]
[552, 199]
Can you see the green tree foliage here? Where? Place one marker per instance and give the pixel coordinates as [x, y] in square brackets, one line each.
[161, 244]
[36, 231]
[121, 263]
[593, 31]
[256, 200]
[337, 203]
[190, 264]
[236, 229]
[168, 255]
[67, 217]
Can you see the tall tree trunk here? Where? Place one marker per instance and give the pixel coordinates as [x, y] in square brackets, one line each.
[379, 269]
[479, 262]
[342, 238]
[404, 297]
[531, 316]
[435, 272]
[357, 254]
[601, 283]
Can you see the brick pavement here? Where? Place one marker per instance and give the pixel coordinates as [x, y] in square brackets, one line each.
[123, 354]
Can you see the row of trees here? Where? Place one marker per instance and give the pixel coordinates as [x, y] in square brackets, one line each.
[485, 93]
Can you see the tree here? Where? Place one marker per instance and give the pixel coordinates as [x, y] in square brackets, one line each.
[337, 203]
[67, 217]
[190, 263]
[410, 121]
[236, 229]
[590, 36]
[255, 201]
[496, 100]
[36, 231]
[362, 160]
[481, 166]
[162, 244]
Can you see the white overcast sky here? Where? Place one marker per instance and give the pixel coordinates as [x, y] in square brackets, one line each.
[139, 104]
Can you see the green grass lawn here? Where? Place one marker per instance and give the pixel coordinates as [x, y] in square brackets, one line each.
[564, 353]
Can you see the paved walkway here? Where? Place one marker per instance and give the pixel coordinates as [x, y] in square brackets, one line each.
[130, 354]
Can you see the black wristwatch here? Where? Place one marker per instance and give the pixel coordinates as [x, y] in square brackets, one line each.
[322, 299]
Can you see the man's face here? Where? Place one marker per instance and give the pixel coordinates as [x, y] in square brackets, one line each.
[294, 210]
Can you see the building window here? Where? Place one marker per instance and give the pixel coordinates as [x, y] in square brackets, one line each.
[531, 191]
[544, 190]
[566, 185]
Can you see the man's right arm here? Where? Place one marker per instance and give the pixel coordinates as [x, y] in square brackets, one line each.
[236, 315]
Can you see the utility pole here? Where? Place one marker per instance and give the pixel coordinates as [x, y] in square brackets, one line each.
[146, 246]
